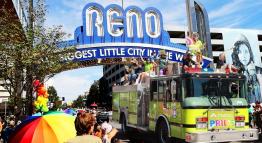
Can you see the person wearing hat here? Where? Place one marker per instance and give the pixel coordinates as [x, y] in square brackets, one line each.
[8, 131]
[108, 132]
[131, 71]
[196, 47]
[187, 61]
[197, 44]
[84, 126]
[162, 63]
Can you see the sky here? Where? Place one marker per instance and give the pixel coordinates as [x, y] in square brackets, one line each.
[68, 13]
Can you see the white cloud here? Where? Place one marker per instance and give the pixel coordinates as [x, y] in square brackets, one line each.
[234, 14]
[71, 84]
[226, 9]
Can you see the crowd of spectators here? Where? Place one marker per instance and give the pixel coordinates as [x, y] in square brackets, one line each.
[88, 130]
[255, 116]
[7, 126]
[138, 69]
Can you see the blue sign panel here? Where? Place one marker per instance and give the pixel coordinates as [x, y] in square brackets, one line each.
[113, 32]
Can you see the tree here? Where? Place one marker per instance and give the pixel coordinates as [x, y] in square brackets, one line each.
[33, 55]
[53, 98]
[94, 95]
[104, 91]
[79, 102]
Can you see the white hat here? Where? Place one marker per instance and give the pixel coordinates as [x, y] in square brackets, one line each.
[107, 127]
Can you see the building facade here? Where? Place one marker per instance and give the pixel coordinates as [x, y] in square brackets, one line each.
[222, 40]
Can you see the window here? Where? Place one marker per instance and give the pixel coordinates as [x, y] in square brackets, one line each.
[177, 34]
[215, 59]
[217, 47]
[154, 93]
[117, 67]
[122, 73]
[170, 90]
[161, 90]
[259, 37]
[260, 48]
[174, 89]
[187, 89]
[216, 36]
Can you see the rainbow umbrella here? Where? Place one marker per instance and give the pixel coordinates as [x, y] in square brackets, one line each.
[53, 127]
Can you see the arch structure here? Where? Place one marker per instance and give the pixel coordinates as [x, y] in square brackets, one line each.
[114, 32]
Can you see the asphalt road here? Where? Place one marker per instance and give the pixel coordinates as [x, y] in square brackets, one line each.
[134, 136]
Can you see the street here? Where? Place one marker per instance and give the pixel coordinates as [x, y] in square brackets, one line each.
[133, 136]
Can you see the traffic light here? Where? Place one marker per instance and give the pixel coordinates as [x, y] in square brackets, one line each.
[63, 98]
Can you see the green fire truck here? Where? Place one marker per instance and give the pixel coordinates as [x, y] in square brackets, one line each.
[195, 107]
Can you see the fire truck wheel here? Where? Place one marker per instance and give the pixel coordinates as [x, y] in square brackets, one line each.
[162, 132]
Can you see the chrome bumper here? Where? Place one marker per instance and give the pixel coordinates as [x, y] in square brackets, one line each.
[222, 136]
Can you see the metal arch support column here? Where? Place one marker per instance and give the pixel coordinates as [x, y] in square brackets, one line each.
[194, 25]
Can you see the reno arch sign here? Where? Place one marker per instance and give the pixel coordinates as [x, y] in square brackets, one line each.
[114, 21]
[113, 32]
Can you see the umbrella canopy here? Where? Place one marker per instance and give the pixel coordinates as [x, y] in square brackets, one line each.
[70, 111]
[53, 127]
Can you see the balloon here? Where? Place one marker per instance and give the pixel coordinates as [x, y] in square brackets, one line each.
[41, 90]
[42, 96]
[45, 109]
[36, 83]
[189, 41]
[46, 95]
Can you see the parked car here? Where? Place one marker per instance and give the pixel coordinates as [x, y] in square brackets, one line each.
[102, 115]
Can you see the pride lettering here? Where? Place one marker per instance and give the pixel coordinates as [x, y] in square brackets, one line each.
[218, 123]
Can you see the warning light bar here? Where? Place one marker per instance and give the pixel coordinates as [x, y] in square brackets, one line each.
[199, 70]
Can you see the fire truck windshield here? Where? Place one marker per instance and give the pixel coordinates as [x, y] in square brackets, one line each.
[215, 92]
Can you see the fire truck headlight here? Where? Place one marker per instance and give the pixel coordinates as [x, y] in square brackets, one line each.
[201, 125]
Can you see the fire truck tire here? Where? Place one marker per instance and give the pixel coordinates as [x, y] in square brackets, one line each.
[162, 132]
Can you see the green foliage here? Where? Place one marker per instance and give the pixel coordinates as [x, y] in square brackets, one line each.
[94, 94]
[79, 102]
[53, 98]
[106, 99]
[30, 52]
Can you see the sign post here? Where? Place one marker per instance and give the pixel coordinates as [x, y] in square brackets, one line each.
[5, 100]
